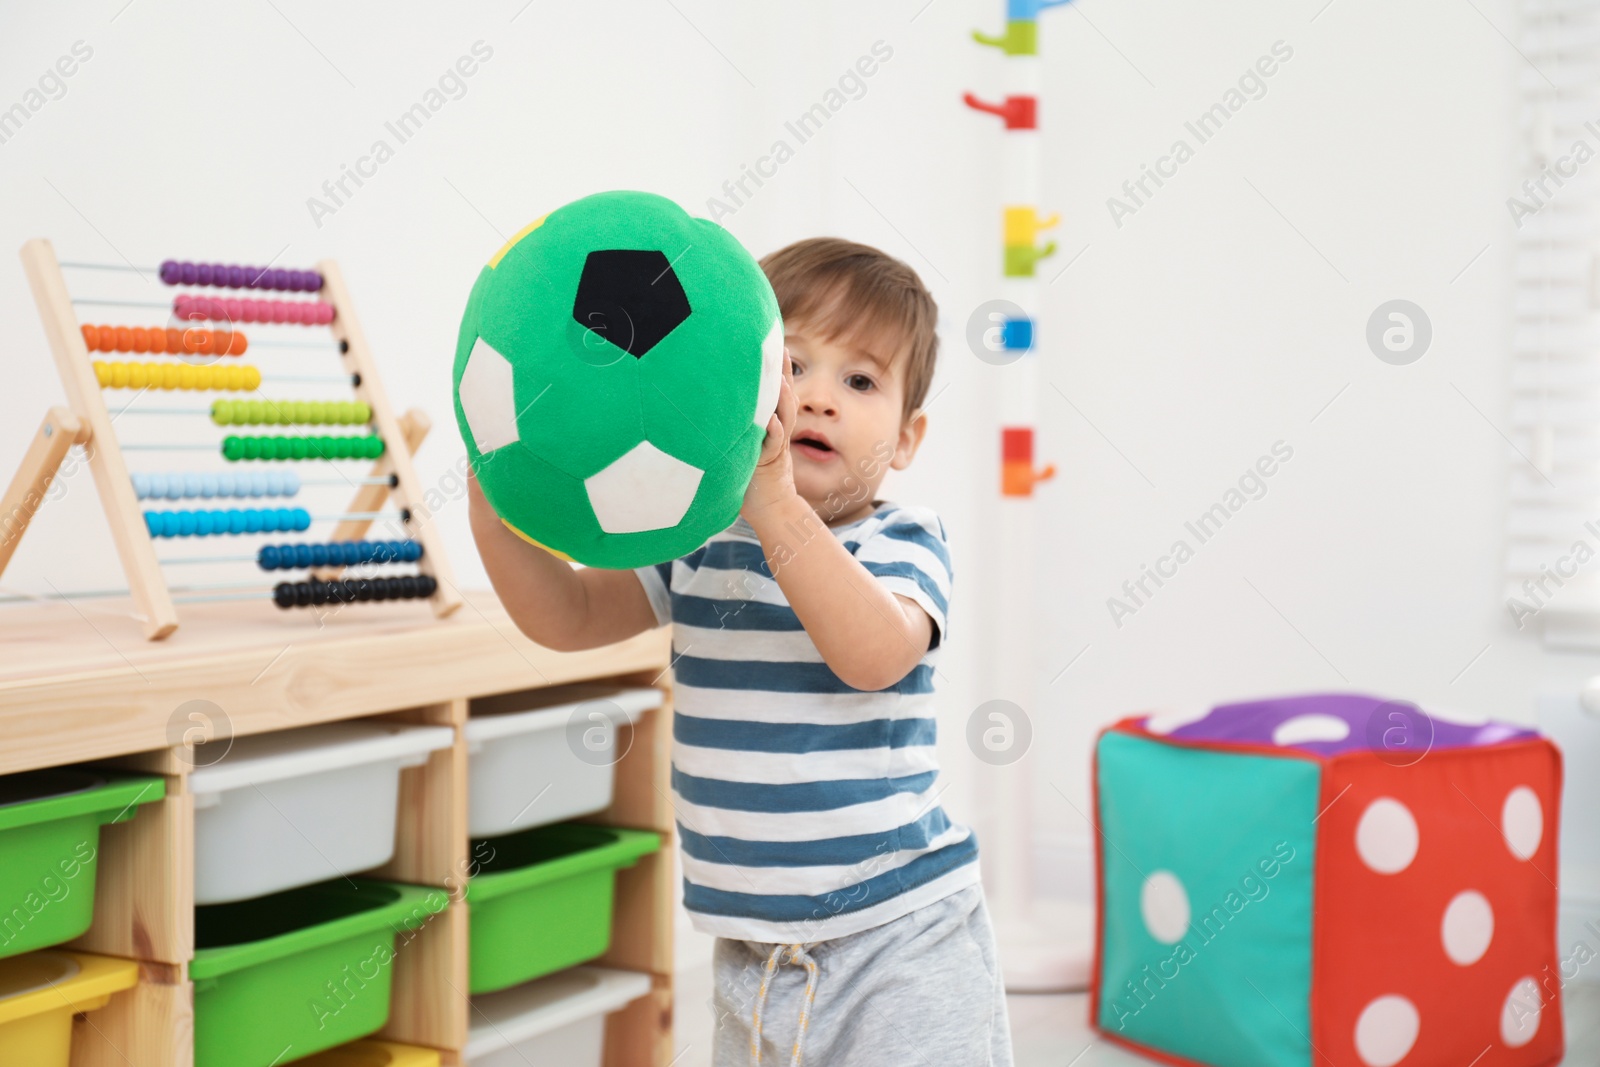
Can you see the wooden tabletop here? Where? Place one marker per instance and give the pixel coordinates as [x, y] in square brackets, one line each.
[78, 681]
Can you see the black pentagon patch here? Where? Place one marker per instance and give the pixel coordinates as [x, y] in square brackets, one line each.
[631, 298]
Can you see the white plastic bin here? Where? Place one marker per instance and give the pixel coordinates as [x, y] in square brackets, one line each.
[294, 807]
[537, 758]
[556, 1020]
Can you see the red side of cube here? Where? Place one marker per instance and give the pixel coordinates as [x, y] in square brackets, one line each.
[1381, 934]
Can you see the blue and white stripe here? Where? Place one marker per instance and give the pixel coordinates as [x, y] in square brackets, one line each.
[806, 809]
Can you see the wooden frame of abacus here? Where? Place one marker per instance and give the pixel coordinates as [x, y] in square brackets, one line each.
[89, 424]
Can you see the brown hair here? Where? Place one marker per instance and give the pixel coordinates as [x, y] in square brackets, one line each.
[853, 293]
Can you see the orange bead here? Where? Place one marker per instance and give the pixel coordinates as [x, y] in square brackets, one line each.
[174, 340]
[90, 336]
[157, 338]
[124, 339]
[193, 338]
[237, 346]
[141, 339]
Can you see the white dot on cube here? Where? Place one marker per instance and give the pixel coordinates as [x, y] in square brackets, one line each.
[1164, 722]
[1468, 927]
[1165, 907]
[1386, 1031]
[1522, 822]
[1303, 728]
[1519, 1017]
[1386, 836]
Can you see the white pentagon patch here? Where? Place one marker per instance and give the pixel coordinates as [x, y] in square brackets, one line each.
[771, 374]
[644, 489]
[488, 398]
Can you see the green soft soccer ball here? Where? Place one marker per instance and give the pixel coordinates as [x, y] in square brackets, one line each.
[617, 365]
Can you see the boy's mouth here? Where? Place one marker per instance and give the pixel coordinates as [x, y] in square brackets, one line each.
[813, 446]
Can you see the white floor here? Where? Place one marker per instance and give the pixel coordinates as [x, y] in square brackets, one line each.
[1053, 1031]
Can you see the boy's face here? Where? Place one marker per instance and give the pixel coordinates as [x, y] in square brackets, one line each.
[848, 431]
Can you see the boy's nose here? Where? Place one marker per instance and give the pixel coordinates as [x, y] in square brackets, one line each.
[817, 402]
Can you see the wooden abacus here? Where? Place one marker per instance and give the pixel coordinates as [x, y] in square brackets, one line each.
[202, 358]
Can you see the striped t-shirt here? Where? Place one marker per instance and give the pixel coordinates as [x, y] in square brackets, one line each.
[806, 809]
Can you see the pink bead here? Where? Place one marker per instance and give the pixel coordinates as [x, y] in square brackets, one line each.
[327, 313]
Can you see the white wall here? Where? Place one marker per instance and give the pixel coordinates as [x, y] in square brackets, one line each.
[1221, 317]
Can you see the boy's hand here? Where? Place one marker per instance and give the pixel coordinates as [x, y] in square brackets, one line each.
[773, 481]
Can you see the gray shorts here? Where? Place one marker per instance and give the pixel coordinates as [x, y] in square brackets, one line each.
[924, 989]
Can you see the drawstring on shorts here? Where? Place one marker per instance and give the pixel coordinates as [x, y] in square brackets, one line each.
[796, 953]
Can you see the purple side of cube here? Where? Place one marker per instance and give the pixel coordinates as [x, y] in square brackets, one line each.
[1374, 725]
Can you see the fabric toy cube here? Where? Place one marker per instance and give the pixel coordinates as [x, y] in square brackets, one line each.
[1331, 880]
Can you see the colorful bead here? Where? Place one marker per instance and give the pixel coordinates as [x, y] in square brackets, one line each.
[119, 375]
[229, 276]
[350, 590]
[158, 340]
[205, 523]
[336, 554]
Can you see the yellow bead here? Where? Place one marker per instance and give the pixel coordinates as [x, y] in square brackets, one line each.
[252, 378]
[129, 376]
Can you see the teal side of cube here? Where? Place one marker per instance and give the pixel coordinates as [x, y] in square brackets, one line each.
[1237, 833]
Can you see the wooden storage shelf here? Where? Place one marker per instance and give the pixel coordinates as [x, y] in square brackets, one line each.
[82, 685]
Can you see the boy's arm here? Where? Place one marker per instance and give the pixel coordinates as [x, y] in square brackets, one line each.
[871, 638]
[560, 607]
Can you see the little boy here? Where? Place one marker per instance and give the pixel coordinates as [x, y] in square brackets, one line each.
[804, 644]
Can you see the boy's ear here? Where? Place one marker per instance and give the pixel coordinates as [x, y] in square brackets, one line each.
[911, 432]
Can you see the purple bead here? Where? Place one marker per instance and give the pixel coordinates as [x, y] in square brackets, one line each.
[316, 282]
[235, 277]
[298, 281]
[252, 277]
[202, 273]
[170, 273]
[280, 279]
[187, 273]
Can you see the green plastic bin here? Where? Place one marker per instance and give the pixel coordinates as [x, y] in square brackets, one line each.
[541, 899]
[289, 974]
[50, 847]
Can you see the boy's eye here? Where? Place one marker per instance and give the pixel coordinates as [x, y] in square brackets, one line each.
[859, 381]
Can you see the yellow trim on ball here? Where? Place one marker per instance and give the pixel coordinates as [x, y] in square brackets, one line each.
[509, 245]
[536, 544]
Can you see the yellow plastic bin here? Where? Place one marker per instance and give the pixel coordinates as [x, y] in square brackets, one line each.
[40, 992]
[370, 1053]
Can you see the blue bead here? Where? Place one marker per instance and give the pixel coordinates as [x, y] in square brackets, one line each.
[302, 518]
[302, 555]
[152, 522]
[291, 483]
[191, 484]
[252, 520]
[319, 555]
[141, 486]
[186, 524]
[267, 558]
[413, 551]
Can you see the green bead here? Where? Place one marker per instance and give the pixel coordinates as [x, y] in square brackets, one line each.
[376, 448]
[219, 414]
[250, 447]
[363, 412]
[232, 448]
